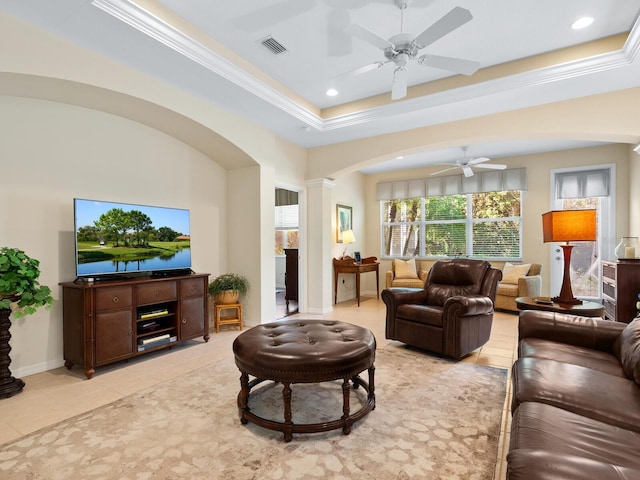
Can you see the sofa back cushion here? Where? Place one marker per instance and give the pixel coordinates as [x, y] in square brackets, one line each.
[627, 348]
[405, 269]
[511, 273]
[449, 278]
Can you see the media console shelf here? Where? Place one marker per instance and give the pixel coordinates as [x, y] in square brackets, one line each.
[105, 322]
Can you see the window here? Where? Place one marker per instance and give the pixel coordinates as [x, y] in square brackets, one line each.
[480, 225]
[579, 188]
[286, 228]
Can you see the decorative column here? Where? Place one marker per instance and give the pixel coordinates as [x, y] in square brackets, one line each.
[9, 385]
[319, 241]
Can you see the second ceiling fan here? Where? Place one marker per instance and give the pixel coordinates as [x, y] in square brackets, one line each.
[465, 164]
[403, 47]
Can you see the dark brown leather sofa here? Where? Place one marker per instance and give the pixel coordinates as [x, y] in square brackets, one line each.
[452, 314]
[576, 399]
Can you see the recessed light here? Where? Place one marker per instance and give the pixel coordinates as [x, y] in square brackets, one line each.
[582, 23]
[332, 92]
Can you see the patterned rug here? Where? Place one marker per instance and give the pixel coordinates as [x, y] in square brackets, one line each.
[434, 419]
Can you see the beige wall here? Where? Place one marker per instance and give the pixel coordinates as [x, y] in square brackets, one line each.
[536, 199]
[52, 153]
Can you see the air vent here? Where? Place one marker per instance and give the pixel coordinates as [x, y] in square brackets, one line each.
[273, 45]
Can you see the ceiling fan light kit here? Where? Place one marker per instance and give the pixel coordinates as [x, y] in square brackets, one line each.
[400, 49]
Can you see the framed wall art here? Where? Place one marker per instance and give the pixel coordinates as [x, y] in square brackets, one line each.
[343, 220]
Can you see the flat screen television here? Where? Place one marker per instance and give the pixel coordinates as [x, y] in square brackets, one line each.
[122, 239]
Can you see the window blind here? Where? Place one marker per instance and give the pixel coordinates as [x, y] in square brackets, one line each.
[586, 183]
[494, 181]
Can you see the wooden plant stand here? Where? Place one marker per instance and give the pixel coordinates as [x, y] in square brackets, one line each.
[9, 385]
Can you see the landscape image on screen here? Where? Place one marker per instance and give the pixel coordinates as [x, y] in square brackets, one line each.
[124, 238]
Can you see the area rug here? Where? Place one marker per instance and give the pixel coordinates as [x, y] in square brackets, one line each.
[434, 419]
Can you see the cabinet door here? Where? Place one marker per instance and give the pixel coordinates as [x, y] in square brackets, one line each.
[114, 335]
[192, 318]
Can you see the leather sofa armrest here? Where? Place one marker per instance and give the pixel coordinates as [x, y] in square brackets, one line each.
[588, 332]
[464, 306]
[530, 286]
[422, 275]
[395, 297]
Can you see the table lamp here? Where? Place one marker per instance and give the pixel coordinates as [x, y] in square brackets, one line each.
[347, 238]
[568, 226]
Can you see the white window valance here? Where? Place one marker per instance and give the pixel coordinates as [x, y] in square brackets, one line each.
[585, 183]
[494, 181]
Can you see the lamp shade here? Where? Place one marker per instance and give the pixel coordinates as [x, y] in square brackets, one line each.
[348, 236]
[569, 225]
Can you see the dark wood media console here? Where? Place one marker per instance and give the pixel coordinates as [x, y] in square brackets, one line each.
[108, 321]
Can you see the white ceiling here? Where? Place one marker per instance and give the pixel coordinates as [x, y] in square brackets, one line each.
[179, 41]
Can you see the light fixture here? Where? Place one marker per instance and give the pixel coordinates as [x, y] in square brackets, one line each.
[582, 22]
[637, 149]
[332, 92]
[568, 226]
[347, 238]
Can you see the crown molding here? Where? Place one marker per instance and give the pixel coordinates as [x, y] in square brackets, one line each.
[144, 21]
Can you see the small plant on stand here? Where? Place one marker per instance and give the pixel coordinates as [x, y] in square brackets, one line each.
[227, 287]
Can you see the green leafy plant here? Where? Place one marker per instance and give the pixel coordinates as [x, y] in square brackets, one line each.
[229, 281]
[19, 283]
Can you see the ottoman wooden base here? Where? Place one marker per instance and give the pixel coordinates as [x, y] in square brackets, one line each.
[305, 351]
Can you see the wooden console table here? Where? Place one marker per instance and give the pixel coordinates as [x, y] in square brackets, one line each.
[349, 265]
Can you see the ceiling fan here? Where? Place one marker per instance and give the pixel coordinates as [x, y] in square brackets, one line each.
[403, 47]
[466, 163]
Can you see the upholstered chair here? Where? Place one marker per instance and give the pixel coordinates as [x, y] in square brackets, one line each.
[519, 280]
[405, 274]
[452, 314]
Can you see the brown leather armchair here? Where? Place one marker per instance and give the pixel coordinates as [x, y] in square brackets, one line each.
[452, 314]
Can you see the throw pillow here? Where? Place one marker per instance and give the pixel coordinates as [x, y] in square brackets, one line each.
[511, 273]
[405, 269]
[628, 349]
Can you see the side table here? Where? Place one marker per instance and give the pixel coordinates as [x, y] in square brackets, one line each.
[234, 318]
[585, 309]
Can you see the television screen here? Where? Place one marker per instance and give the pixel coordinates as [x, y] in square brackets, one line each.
[120, 238]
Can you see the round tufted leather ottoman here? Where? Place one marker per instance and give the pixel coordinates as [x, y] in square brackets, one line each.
[305, 351]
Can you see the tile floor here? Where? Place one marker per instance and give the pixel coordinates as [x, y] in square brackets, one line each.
[55, 395]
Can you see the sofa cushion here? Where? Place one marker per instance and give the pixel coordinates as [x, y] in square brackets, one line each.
[597, 395]
[405, 269]
[540, 426]
[587, 357]
[627, 348]
[424, 314]
[546, 465]
[511, 273]
[507, 289]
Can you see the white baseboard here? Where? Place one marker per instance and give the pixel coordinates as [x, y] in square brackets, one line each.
[37, 368]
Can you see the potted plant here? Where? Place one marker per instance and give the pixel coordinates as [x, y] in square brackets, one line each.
[19, 283]
[227, 287]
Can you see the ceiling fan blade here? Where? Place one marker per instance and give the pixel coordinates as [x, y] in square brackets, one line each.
[359, 70]
[447, 24]
[399, 88]
[466, 169]
[451, 64]
[476, 160]
[340, 42]
[493, 166]
[273, 14]
[370, 37]
[445, 170]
